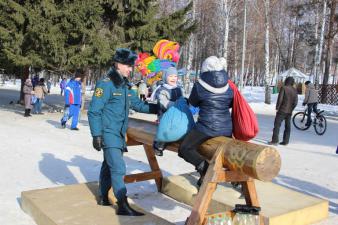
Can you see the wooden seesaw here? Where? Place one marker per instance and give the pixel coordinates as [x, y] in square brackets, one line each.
[229, 161]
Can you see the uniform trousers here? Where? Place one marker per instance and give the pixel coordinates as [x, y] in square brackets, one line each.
[113, 170]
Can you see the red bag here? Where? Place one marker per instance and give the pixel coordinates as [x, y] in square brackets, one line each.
[244, 120]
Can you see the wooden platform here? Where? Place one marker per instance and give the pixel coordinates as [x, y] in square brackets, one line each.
[76, 205]
[280, 206]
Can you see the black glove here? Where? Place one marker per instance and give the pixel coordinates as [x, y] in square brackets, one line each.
[304, 104]
[97, 143]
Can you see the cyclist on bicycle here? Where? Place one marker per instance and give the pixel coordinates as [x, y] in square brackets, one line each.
[311, 99]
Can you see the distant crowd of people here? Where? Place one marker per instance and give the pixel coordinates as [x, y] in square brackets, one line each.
[35, 91]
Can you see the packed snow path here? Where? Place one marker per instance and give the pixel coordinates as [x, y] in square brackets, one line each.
[36, 153]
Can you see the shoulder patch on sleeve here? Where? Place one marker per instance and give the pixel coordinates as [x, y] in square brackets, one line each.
[98, 92]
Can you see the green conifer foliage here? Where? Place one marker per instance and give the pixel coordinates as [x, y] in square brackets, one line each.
[69, 34]
[139, 24]
[87, 42]
[13, 25]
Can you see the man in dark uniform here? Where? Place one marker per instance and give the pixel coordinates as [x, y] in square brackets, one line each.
[108, 121]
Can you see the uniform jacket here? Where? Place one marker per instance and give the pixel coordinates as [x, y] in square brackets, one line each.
[73, 93]
[311, 94]
[287, 99]
[109, 109]
[214, 98]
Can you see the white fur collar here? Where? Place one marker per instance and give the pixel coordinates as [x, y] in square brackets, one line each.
[213, 89]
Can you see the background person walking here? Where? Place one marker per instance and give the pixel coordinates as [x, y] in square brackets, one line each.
[286, 103]
[28, 91]
[40, 92]
[49, 85]
[73, 100]
[63, 84]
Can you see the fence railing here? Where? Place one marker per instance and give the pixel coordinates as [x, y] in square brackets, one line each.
[328, 94]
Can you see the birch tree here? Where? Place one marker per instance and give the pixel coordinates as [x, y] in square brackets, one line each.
[267, 56]
[314, 70]
[243, 48]
[226, 13]
[319, 56]
[191, 47]
[330, 38]
[328, 59]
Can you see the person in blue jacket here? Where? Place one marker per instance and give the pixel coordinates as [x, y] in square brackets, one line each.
[73, 100]
[211, 93]
[108, 121]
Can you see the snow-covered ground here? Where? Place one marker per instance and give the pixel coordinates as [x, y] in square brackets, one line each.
[36, 153]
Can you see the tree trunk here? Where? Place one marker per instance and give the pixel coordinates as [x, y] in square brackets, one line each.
[275, 72]
[258, 161]
[328, 52]
[84, 84]
[335, 74]
[288, 44]
[243, 48]
[235, 53]
[319, 56]
[293, 44]
[314, 69]
[252, 77]
[24, 77]
[266, 48]
[246, 77]
[226, 11]
[190, 57]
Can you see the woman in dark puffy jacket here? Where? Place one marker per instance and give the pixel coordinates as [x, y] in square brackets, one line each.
[214, 97]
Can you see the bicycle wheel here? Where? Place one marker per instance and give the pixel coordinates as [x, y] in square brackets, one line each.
[320, 125]
[299, 121]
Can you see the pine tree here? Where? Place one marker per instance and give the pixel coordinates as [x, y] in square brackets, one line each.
[13, 27]
[87, 42]
[13, 33]
[138, 24]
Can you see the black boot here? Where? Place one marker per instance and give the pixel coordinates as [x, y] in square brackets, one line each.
[26, 113]
[104, 201]
[29, 112]
[124, 208]
[159, 147]
[202, 170]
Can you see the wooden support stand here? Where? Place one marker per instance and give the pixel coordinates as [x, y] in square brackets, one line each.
[229, 161]
[217, 174]
[155, 173]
